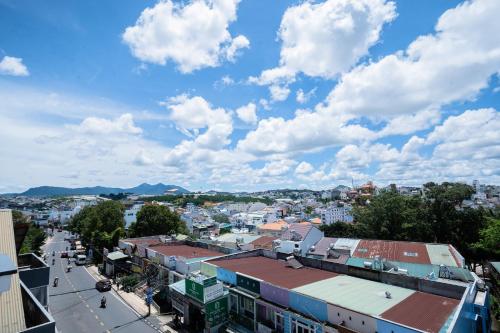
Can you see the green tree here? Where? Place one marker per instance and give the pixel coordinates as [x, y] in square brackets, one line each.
[35, 236]
[156, 220]
[489, 239]
[100, 226]
[340, 229]
[392, 216]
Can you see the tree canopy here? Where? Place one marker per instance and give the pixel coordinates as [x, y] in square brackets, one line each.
[100, 225]
[438, 216]
[35, 237]
[156, 220]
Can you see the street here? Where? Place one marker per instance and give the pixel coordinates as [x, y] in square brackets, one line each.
[75, 303]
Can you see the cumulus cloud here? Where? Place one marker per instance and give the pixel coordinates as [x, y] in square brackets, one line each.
[303, 97]
[13, 66]
[453, 64]
[303, 168]
[124, 124]
[327, 38]
[279, 93]
[248, 113]
[193, 35]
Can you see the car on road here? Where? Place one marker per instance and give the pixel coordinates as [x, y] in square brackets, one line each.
[81, 259]
[64, 254]
[103, 285]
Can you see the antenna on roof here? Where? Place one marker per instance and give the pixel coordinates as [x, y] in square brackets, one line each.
[388, 295]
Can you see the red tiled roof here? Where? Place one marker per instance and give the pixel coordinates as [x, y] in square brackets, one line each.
[274, 271]
[185, 251]
[393, 250]
[423, 311]
[143, 241]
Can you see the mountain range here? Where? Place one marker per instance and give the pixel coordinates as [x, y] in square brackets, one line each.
[145, 188]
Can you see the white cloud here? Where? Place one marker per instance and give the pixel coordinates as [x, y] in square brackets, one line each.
[142, 159]
[13, 66]
[238, 43]
[193, 35]
[407, 124]
[193, 113]
[277, 168]
[279, 93]
[327, 38]
[248, 113]
[474, 135]
[303, 97]
[453, 64]
[121, 125]
[303, 168]
[306, 132]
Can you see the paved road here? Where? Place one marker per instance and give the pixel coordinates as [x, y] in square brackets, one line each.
[75, 303]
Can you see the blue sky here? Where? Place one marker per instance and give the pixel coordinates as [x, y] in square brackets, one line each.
[248, 95]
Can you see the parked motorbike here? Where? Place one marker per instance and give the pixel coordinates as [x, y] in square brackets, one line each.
[68, 269]
[53, 262]
[56, 282]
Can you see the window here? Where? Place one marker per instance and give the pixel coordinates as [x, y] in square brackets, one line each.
[350, 318]
[338, 314]
[362, 322]
[301, 327]
[233, 303]
[246, 306]
[279, 322]
[410, 254]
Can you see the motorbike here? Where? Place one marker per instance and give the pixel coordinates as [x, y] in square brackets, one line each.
[103, 302]
[68, 269]
[53, 262]
[56, 281]
[53, 253]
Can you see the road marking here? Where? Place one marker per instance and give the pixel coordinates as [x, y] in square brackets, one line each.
[96, 317]
[102, 324]
[90, 309]
[86, 305]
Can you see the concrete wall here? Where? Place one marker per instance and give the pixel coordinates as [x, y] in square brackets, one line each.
[352, 320]
[308, 306]
[274, 294]
[208, 269]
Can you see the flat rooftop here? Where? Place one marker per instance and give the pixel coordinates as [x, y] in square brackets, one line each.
[186, 251]
[274, 271]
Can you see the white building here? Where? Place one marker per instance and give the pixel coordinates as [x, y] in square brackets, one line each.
[336, 213]
[130, 214]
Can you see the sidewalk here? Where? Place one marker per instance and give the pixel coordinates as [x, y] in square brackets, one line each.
[138, 304]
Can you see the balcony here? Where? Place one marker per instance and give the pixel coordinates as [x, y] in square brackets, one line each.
[37, 319]
[35, 274]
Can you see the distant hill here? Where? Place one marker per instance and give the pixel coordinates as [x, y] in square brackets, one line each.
[148, 189]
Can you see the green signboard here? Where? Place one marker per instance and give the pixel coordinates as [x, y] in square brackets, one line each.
[194, 290]
[248, 283]
[216, 312]
[210, 281]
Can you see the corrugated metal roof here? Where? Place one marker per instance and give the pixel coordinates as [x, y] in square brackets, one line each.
[273, 271]
[416, 270]
[264, 242]
[301, 228]
[393, 250]
[440, 254]
[231, 238]
[356, 294]
[423, 311]
[346, 244]
[322, 246]
[11, 304]
[185, 251]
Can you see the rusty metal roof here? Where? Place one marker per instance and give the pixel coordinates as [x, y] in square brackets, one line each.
[264, 242]
[411, 252]
[423, 311]
[274, 271]
[186, 251]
